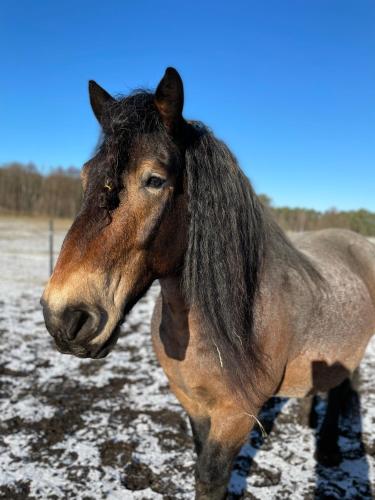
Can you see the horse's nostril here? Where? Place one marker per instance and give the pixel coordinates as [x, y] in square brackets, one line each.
[74, 322]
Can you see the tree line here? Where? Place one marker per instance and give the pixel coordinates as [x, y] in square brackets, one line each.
[25, 190]
[302, 219]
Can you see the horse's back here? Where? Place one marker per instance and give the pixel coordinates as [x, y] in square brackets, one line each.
[355, 251]
[333, 326]
[334, 239]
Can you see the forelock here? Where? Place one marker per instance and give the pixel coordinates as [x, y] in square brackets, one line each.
[130, 124]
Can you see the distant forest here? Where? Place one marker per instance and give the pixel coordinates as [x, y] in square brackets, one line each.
[26, 191]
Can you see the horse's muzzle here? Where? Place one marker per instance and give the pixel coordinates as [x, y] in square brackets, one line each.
[74, 328]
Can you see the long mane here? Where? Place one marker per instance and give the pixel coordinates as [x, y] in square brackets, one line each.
[230, 236]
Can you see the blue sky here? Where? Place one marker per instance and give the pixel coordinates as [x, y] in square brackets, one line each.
[289, 85]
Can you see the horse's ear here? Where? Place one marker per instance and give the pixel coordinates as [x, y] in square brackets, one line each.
[169, 99]
[99, 99]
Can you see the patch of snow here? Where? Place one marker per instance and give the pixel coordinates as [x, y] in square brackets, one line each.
[65, 421]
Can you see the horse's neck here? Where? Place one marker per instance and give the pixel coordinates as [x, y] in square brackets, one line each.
[171, 289]
[174, 303]
[274, 280]
[177, 333]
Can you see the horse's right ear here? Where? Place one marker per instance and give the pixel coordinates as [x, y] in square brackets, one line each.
[99, 99]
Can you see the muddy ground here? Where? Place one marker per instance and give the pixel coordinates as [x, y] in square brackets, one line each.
[86, 429]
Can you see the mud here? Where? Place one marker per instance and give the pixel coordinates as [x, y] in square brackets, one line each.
[86, 429]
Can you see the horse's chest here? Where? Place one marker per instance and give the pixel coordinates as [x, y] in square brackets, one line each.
[192, 368]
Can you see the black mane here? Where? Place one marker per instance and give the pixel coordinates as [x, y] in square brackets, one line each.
[230, 232]
[230, 236]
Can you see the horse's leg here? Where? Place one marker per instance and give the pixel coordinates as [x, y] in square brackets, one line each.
[228, 432]
[200, 428]
[213, 471]
[313, 416]
[219, 431]
[328, 452]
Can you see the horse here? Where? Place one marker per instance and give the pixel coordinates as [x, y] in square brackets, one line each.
[244, 313]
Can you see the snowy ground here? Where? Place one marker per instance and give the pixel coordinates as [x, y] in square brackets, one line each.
[110, 429]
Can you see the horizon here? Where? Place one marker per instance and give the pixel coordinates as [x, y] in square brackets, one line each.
[75, 171]
[289, 87]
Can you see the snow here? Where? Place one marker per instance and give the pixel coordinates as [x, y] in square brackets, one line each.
[73, 428]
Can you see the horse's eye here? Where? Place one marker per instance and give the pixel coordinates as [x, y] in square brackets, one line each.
[155, 182]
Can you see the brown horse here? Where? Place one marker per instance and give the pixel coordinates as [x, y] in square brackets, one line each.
[243, 314]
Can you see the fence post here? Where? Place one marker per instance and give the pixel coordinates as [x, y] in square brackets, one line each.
[50, 234]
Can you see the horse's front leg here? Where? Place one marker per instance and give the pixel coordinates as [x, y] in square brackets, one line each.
[200, 428]
[217, 449]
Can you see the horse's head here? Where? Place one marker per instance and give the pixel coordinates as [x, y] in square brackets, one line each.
[131, 228]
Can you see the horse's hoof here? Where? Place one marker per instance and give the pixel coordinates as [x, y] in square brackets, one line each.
[329, 458]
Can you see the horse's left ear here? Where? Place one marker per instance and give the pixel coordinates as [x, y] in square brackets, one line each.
[169, 99]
